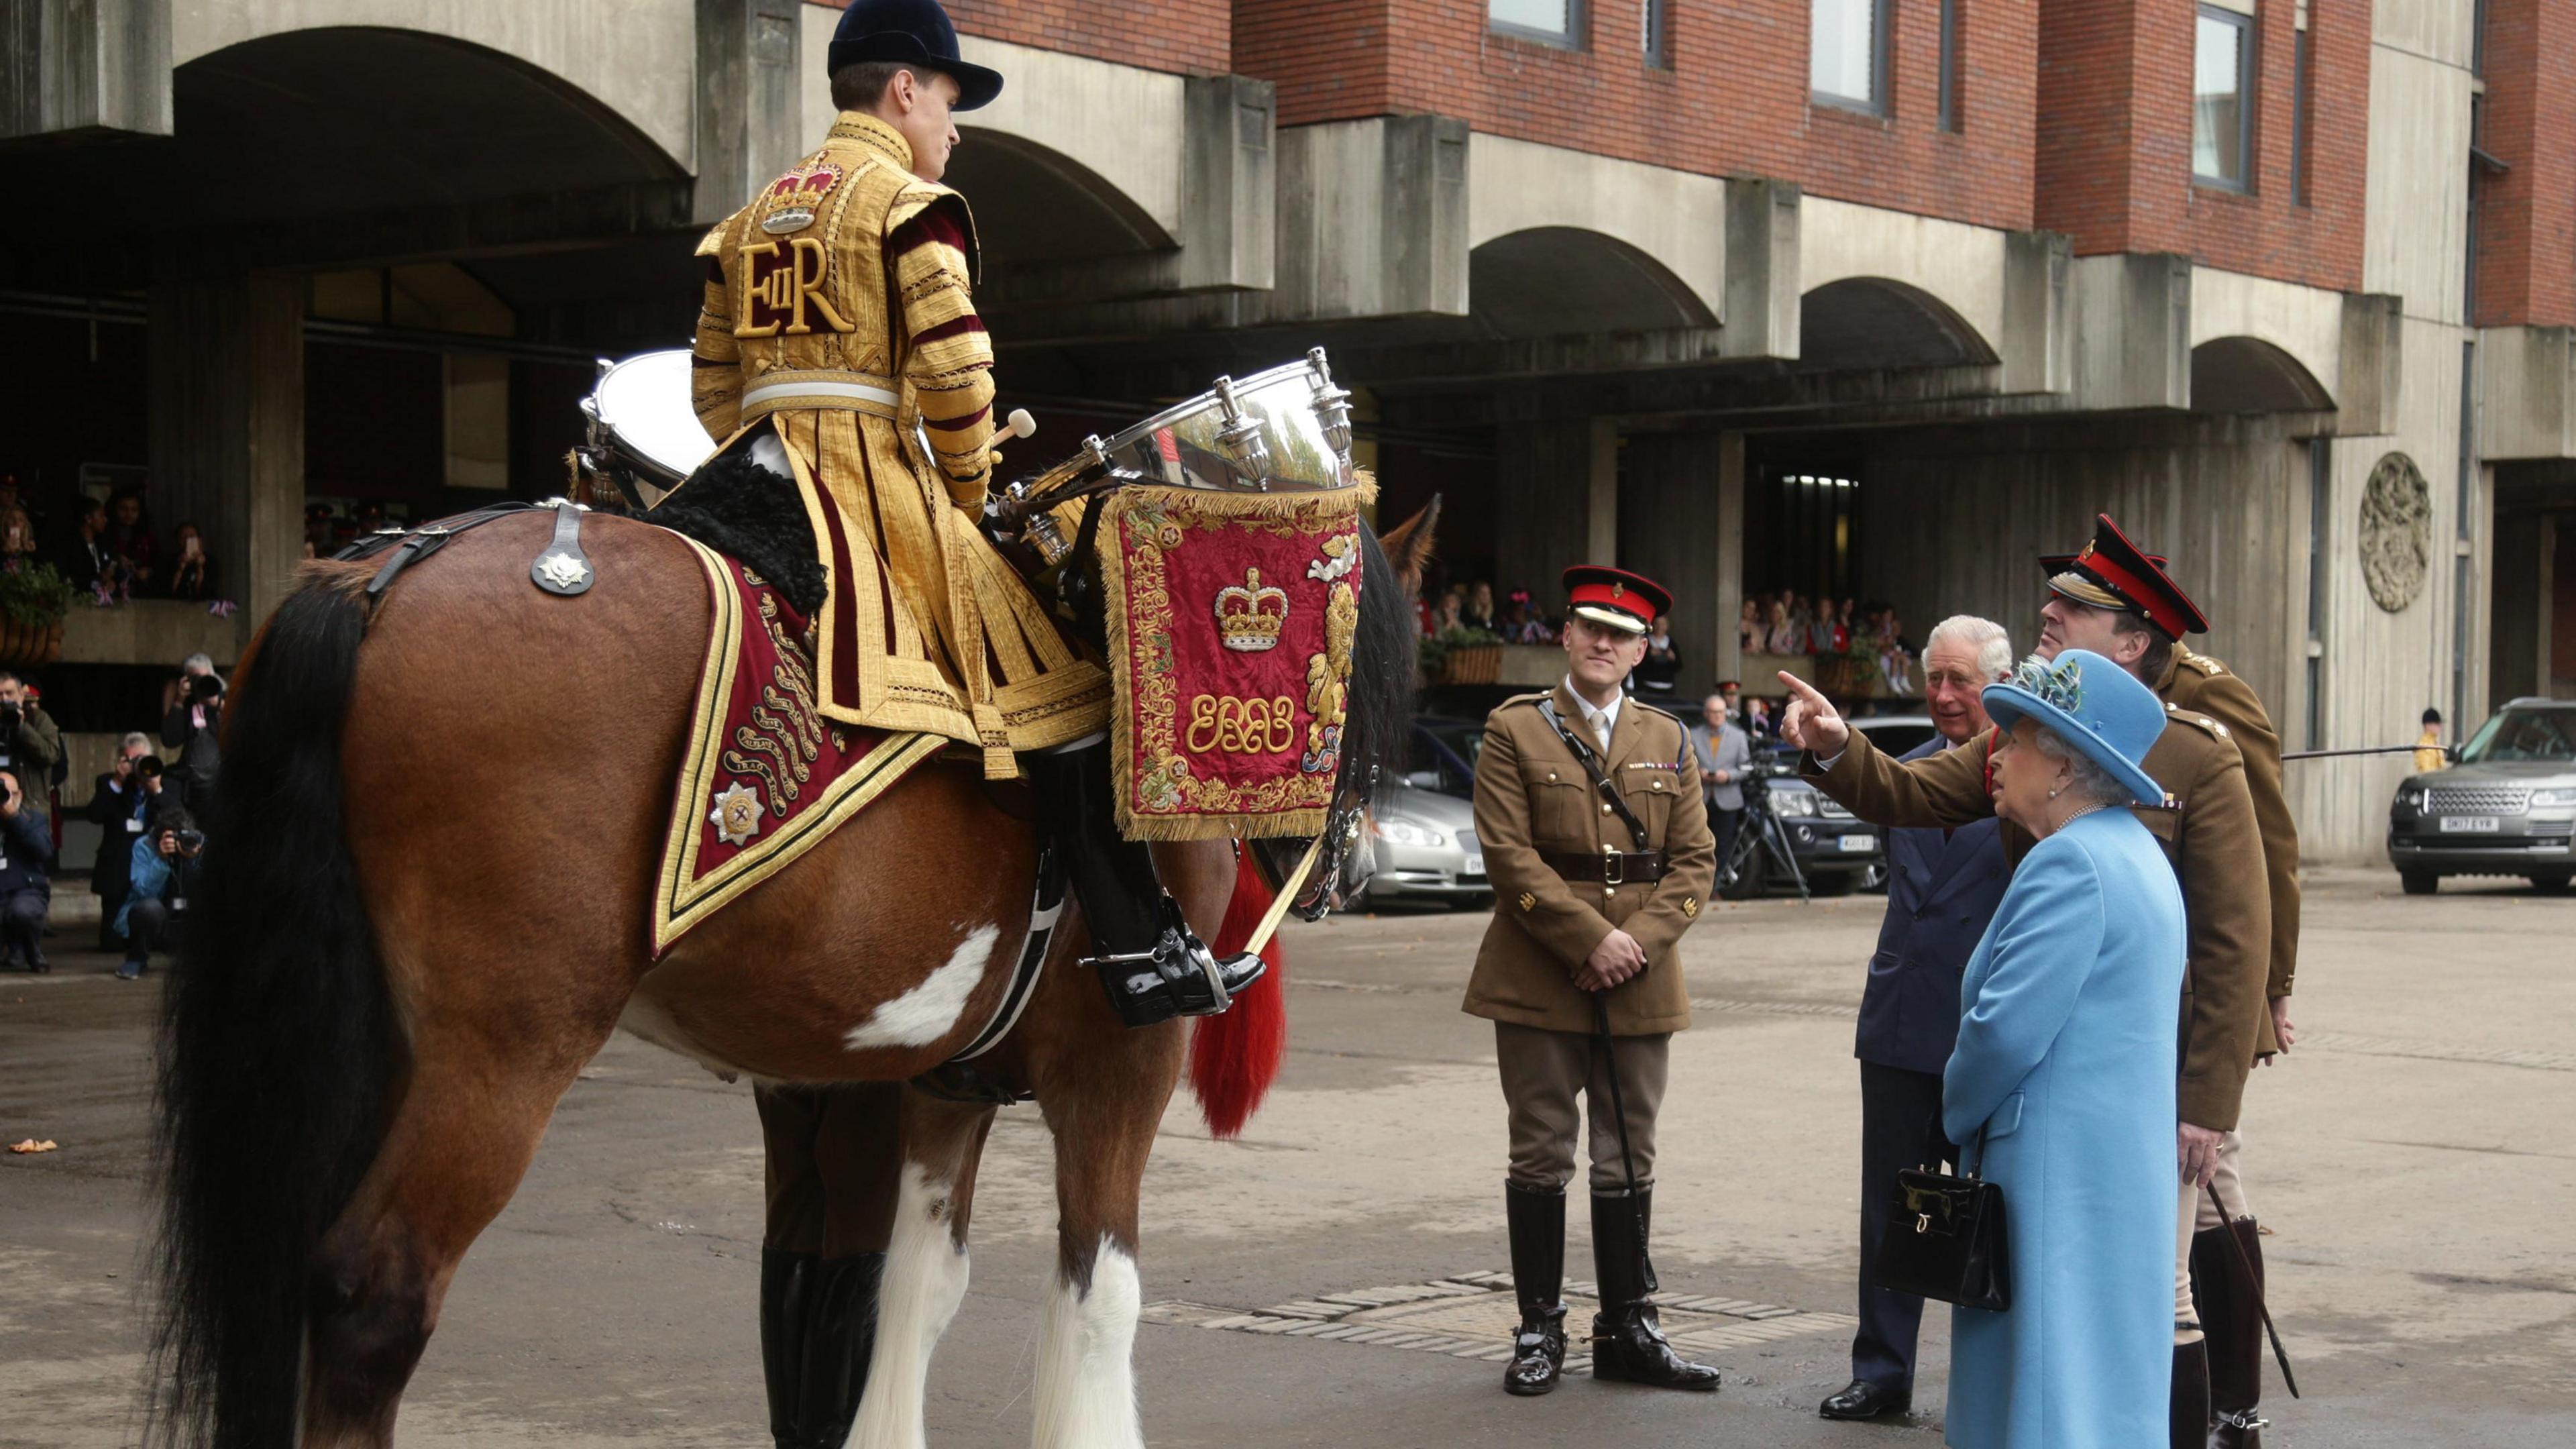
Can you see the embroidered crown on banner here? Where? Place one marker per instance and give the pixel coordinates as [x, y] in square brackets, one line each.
[1250, 615]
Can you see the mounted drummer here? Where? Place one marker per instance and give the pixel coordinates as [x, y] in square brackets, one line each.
[838, 316]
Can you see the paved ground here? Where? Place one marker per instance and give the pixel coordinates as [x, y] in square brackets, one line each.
[2415, 1163]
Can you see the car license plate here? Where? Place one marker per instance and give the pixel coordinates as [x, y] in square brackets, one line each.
[1475, 866]
[2473, 824]
[1856, 843]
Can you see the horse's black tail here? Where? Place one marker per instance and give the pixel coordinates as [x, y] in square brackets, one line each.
[278, 1042]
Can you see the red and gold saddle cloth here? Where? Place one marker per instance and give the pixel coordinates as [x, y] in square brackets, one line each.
[1231, 620]
[765, 775]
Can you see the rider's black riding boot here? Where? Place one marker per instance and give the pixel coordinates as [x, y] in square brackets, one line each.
[2227, 1286]
[1153, 967]
[1628, 1344]
[840, 1334]
[786, 1287]
[1538, 1279]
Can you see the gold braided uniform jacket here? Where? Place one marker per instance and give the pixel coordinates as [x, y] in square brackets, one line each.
[839, 314]
[2214, 839]
[1532, 795]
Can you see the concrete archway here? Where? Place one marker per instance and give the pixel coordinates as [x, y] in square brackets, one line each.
[2251, 375]
[635, 60]
[1554, 280]
[1879, 324]
[1034, 203]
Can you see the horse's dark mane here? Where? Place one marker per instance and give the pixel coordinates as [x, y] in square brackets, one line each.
[1380, 724]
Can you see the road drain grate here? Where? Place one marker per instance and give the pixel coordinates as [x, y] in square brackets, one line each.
[1473, 1315]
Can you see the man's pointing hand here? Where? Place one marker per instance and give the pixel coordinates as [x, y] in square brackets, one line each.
[1811, 722]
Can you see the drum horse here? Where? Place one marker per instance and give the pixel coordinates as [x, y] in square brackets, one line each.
[438, 826]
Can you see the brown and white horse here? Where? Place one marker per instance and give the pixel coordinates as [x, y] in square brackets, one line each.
[436, 836]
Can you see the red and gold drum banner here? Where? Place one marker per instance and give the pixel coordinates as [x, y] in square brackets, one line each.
[1231, 620]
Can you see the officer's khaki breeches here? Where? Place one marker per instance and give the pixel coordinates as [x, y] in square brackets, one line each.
[2196, 1215]
[1543, 1071]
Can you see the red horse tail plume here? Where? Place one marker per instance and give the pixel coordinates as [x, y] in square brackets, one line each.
[1235, 1057]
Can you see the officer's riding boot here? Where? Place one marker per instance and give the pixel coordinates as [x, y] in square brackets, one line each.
[1537, 1221]
[1153, 967]
[840, 1334]
[1628, 1343]
[2229, 1290]
[786, 1286]
[2190, 1429]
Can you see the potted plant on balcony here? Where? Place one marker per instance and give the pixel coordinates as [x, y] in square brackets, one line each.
[34, 597]
[1461, 655]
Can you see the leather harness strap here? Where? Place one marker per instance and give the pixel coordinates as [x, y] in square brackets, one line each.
[1609, 793]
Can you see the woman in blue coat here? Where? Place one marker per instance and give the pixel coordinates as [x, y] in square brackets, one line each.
[2065, 1064]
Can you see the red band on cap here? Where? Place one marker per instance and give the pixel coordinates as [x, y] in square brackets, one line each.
[2144, 598]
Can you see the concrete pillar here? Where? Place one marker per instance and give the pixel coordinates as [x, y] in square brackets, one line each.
[749, 91]
[1762, 253]
[85, 69]
[1545, 487]
[1729, 544]
[226, 366]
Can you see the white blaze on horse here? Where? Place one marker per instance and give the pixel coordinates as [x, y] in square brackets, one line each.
[437, 835]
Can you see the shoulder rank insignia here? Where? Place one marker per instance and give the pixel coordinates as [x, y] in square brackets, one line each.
[2201, 662]
[1529, 902]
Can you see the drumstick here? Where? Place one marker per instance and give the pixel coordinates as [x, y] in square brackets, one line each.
[1020, 425]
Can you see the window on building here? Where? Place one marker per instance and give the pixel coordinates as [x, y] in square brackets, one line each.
[1657, 25]
[1949, 119]
[1549, 20]
[1847, 54]
[2302, 96]
[2222, 99]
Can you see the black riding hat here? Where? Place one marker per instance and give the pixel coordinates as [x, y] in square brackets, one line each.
[917, 32]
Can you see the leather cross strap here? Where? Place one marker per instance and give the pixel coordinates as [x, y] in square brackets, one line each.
[1609, 793]
[1609, 867]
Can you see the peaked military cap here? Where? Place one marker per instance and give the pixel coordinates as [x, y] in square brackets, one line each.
[2113, 573]
[914, 32]
[1616, 598]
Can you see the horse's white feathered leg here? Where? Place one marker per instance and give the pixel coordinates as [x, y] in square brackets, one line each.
[1086, 1377]
[924, 1281]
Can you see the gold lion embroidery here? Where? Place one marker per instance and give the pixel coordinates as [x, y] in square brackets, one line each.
[1690, 908]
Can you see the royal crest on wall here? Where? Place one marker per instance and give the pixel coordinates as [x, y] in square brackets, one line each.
[2396, 532]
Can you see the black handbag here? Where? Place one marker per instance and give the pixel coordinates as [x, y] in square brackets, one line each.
[1946, 1240]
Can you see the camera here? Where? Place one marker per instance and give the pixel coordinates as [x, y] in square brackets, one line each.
[192, 839]
[204, 687]
[11, 712]
[147, 766]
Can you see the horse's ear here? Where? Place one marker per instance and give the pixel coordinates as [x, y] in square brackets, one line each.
[1408, 545]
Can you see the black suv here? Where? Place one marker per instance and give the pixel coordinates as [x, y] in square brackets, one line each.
[2507, 808]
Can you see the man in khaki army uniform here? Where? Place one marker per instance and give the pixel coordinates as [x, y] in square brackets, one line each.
[1589, 813]
[2237, 860]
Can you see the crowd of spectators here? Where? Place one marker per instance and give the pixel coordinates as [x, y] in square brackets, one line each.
[149, 842]
[106, 549]
[1790, 623]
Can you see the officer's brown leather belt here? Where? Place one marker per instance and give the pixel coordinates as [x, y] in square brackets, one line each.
[1640, 868]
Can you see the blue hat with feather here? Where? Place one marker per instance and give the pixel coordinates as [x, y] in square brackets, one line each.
[2099, 709]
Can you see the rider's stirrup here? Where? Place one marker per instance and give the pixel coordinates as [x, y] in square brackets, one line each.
[1180, 976]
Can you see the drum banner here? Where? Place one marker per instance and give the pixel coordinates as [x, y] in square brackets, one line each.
[765, 776]
[1231, 620]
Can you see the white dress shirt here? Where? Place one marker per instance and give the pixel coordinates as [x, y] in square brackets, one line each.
[1602, 720]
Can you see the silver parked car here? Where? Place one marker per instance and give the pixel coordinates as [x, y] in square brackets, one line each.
[2507, 808]
[1426, 850]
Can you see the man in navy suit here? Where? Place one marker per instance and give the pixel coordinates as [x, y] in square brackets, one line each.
[1942, 887]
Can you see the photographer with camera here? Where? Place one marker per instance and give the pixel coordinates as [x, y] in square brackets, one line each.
[31, 744]
[194, 725]
[26, 889]
[121, 804]
[163, 867]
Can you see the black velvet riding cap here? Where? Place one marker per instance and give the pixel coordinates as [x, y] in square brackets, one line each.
[913, 31]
